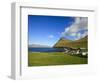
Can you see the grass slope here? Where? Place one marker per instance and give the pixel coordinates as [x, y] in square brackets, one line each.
[53, 58]
[82, 43]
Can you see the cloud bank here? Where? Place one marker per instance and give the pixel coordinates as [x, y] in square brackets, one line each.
[78, 29]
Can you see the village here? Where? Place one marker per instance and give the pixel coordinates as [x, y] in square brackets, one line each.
[77, 51]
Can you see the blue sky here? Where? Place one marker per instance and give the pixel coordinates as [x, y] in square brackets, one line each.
[47, 30]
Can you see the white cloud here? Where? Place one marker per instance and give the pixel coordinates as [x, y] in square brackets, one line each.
[78, 36]
[51, 36]
[80, 24]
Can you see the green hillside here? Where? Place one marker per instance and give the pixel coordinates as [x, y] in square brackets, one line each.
[81, 43]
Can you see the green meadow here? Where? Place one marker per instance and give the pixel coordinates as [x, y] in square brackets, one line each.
[54, 58]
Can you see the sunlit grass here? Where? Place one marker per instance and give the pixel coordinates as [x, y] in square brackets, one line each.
[53, 58]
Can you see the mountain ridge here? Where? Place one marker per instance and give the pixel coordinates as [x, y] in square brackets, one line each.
[62, 42]
[37, 45]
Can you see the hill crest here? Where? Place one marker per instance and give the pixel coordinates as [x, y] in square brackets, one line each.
[81, 43]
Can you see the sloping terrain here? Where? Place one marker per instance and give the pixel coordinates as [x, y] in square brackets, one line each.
[81, 43]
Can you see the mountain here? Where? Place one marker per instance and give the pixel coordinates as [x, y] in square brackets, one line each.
[81, 43]
[37, 46]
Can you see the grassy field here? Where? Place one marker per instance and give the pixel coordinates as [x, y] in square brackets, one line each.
[53, 58]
